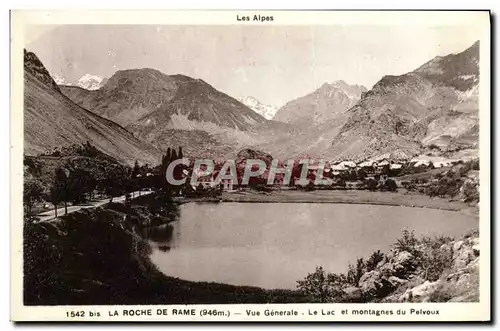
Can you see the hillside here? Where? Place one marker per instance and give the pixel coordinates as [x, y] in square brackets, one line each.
[51, 120]
[321, 105]
[436, 104]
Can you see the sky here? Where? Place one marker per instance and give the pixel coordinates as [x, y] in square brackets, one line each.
[274, 64]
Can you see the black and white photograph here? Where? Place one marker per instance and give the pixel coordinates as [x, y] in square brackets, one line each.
[254, 162]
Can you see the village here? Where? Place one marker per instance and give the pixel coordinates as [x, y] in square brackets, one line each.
[381, 174]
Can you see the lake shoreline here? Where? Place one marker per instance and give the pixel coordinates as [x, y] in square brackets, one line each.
[396, 199]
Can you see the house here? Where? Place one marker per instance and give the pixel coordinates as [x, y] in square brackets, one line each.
[279, 179]
[368, 166]
[349, 164]
[338, 169]
[206, 181]
[396, 166]
[227, 184]
[383, 165]
[442, 164]
[422, 164]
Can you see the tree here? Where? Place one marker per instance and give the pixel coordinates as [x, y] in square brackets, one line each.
[79, 183]
[390, 185]
[55, 196]
[361, 174]
[115, 182]
[371, 184]
[60, 188]
[136, 169]
[32, 193]
[374, 260]
[168, 155]
[173, 156]
[354, 273]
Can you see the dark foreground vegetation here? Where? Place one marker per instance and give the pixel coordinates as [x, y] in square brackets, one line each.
[101, 257]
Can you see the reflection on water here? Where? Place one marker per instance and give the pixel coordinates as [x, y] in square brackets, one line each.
[273, 245]
[160, 234]
[160, 230]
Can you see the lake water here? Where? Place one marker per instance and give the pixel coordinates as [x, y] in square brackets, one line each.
[272, 245]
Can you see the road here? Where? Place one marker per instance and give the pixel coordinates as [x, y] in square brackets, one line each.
[50, 214]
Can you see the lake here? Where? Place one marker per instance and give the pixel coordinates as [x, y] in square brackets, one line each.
[272, 245]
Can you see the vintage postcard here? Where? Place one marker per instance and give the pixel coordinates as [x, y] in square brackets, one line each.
[250, 166]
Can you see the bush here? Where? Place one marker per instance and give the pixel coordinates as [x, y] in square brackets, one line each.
[323, 287]
[340, 183]
[410, 186]
[445, 187]
[390, 185]
[371, 184]
[374, 260]
[434, 260]
[407, 243]
[434, 147]
[470, 191]
[355, 273]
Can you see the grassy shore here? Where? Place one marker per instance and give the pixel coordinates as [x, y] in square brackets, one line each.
[400, 198]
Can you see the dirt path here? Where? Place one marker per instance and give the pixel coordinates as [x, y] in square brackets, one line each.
[50, 214]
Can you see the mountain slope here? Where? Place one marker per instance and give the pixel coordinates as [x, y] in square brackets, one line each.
[321, 105]
[52, 120]
[434, 104]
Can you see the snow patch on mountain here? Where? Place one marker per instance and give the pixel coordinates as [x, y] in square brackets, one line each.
[87, 81]
[60, 80]
[91, 82]
[266, 111]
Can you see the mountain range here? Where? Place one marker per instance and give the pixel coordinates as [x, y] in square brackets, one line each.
[433, 107]
[139, 112]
